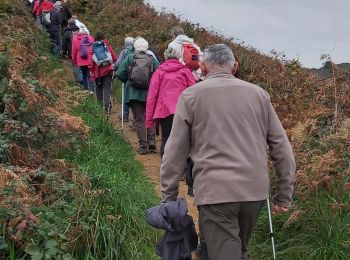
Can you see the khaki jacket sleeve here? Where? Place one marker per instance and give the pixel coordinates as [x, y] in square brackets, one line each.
[176, 150]
[282, 155]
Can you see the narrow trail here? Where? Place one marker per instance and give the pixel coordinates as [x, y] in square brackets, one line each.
[151, 163]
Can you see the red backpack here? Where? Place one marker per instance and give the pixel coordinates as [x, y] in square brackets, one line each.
[191, 56]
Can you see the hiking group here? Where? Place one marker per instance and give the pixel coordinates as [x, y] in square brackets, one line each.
[224, 129]
[92, 57]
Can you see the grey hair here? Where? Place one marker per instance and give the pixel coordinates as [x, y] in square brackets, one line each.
[171, 53]
[141, 44]
[219, 54]
[129, 41]
[177, 30]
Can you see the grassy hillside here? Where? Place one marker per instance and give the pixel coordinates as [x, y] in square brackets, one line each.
[315, 113]
[70, 187]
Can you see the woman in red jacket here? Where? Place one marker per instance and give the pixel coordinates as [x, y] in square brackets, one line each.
[44, 6]
[82, 55]
[101, 70]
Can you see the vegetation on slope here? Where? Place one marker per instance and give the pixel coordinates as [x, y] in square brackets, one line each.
[314, 111]
[122, 194]
[58, 200]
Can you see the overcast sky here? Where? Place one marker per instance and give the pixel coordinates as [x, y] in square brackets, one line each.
[299, 28]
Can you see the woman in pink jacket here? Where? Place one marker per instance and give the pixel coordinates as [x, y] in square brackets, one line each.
[82, 55]
[167, 84]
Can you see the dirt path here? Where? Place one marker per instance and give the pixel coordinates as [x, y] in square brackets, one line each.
[151, 163]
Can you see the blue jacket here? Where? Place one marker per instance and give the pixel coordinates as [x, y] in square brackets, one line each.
[180, 237]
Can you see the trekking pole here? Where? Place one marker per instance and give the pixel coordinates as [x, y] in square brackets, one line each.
[122, 117]
[271, 229]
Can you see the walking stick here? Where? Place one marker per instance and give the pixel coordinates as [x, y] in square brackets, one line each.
[271, 229]
[122, 117]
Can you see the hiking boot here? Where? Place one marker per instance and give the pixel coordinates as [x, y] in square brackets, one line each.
[201, 251]
[152, 144]
[143, 149]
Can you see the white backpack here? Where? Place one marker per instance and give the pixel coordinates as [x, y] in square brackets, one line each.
[46, 18]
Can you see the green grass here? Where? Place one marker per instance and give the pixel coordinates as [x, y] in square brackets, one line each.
[126, 194]
[321, 233]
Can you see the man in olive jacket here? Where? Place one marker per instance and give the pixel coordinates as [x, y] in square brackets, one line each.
[136, 98]
[227, 126]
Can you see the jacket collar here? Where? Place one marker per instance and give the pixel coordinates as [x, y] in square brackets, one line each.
[219, 74]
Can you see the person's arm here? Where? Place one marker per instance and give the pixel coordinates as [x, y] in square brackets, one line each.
[119, 61]
[74, 50]
[123, 70]
[155, 64]
[64, 44]
[35, 8]
[69, 13]
[282, 155]
[152, 97]
[190, 78]
[110, 49]
[59, 18]
[176, 150]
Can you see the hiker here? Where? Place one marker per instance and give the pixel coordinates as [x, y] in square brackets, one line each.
[53, 27]
[36, 11]
[82, 55]
[153, 52]
[45, 6]
[39, 7]
[67, 38]
[227, 124]
[136, 72]
[167, 84]
[101, 71]
[80, 24]
[65, 15]
[128, 49]
[33, 7]
[190, 53]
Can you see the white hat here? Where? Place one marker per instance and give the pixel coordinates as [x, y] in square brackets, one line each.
[58, 4]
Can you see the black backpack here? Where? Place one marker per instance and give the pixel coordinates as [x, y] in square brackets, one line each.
[140, 70]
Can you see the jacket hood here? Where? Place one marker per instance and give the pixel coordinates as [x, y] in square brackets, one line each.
[183, 39]
[171, 65]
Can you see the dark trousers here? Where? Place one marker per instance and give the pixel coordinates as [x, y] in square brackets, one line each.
[165, 124]
[226, 228]
[86, 77]
[55, 38]
[104, 91]
[138, 109]
[125, 111]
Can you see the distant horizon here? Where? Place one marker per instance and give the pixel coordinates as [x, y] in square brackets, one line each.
[271, 25]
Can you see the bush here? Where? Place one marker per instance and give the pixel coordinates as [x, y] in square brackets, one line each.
[7, 6]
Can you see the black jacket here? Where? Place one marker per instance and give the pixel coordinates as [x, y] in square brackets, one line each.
[180, 237]
[67, 39]
[65, 16]
[56, 21]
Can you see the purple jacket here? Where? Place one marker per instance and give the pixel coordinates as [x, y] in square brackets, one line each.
[167, 84]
